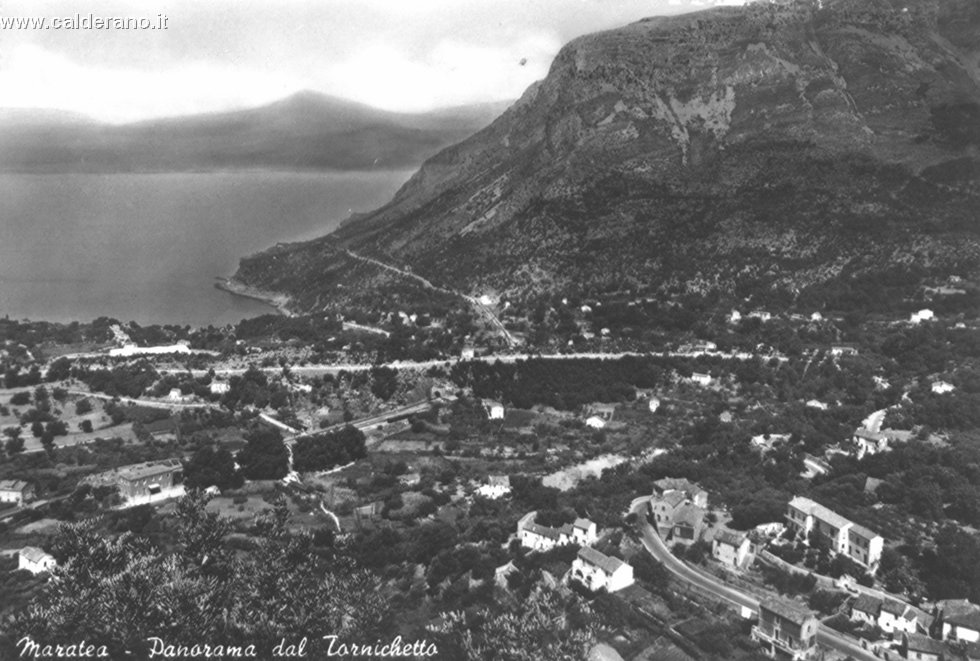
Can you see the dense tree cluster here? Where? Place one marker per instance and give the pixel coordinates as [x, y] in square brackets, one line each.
[561, 384]
[211, 466]
[121, 591]
[328, 450]
[264, 456]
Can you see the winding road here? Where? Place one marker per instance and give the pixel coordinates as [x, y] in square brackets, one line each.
[655, 546]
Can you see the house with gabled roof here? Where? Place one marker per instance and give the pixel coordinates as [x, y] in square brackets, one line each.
[584, 532]
[786, 630]
[730, 548]
[35, 560]
[497, 486]
[917, 647]
[16, 491]
[866, 608]
[598, 571]
[961, 621]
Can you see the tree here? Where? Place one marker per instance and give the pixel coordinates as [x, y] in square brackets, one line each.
[543, 627]
[14, 445]
[119, 591]
[22, 398]
[212, 467]
[264, 456]
[323, 452]
[83, 406]
[85, 426]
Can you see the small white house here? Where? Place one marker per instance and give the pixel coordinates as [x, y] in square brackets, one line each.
[761, 315]
[942, 387]
[497, 486]
[730, 548]
[220, 387]
[961, 622]
[35, 560]
[922, 315]
[175, 395]
[735, 317]
[653, 404]
[701, 379]
[595, 422]
[584, 532]
[816, 316]
[597, 571]
[16, 491]
[495, 410]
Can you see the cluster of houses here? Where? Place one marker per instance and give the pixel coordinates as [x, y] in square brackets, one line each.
[677, 508]
[592, 568]
[892, 617]
[847, 538]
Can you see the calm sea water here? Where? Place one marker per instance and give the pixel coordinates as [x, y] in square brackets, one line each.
[147, 247]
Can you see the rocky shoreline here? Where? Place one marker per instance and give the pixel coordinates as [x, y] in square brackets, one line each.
[237, 288]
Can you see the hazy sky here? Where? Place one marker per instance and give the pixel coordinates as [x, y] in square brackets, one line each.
[222, 54]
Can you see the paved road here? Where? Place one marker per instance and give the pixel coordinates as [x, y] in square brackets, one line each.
[656, 547]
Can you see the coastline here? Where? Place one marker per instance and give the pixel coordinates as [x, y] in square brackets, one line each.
[279, 302]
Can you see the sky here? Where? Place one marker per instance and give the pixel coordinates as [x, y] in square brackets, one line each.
[215, 55]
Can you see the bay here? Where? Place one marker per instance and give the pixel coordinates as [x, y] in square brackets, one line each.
[148, 247]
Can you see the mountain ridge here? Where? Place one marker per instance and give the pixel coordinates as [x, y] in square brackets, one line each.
[777, 146]
[306, 130]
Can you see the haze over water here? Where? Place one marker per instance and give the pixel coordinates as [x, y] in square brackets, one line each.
[148, 247]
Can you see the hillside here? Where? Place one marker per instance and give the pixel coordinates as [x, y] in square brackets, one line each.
[778, 151]
[307, 130]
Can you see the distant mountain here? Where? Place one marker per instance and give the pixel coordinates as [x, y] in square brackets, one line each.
[797, 151]
[306, 130]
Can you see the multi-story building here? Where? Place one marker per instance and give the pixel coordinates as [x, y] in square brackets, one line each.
[862, 545]
[785, 630]
[730, 548]
[598, 571]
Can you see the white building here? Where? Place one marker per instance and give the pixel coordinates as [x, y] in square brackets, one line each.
[497, 486]
[730, 548]
[961, 621]
[846, 538]
[130, 350]
[35, 560]
[495, 410]
[220, 387]
[597, 571]
[16, 491]
[653, 404]
[595, 422]
[735, 317]
[942, 387]
[584, 532]
[701, 379]
[922, 315]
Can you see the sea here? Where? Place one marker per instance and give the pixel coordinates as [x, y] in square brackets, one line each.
[148, 247]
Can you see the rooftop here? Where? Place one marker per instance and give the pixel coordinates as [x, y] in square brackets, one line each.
[149, 469]
[819, 512]
[689, 514]
[584, 524]
[867, 603]
[863, 532]
[969, 619]
[13, 485]
[786, 610]
[729, 537]
[920, 643]
[35, 554]
[543, 531]
[604, 562]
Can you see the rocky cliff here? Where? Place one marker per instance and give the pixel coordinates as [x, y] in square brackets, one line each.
[775, 147]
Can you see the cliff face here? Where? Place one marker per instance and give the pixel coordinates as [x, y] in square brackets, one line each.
[774, 145]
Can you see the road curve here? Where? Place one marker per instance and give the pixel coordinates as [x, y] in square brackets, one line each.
[655, 546]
